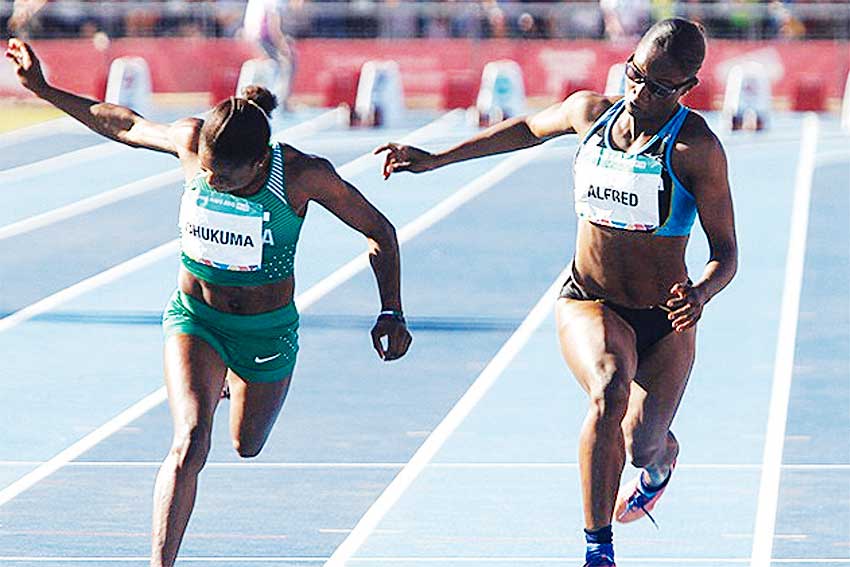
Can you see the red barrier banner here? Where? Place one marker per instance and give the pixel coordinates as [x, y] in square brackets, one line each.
[550, 68]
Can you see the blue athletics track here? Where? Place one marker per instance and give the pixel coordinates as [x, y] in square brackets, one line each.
[464, 452]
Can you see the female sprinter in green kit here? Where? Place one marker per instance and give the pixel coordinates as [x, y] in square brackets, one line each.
[627, 315]
[232, 317]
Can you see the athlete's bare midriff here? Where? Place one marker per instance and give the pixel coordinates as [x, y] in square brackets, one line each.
[238, 300]
[631, 269]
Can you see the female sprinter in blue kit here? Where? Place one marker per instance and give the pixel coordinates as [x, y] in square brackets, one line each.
[646, 167]
[232, 317]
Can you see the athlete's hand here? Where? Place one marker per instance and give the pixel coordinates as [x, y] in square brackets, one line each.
[685, 304]
[405, 158]
[27, 65]
[398, 338]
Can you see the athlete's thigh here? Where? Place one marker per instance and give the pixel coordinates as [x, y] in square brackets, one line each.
[254, 407]
[597, 344]
[661, 378]
[194, 375]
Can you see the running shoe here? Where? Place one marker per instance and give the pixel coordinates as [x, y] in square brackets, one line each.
[633, 504]
[225, 391]
[605, 561]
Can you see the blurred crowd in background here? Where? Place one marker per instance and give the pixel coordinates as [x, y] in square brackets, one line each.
[594, 19]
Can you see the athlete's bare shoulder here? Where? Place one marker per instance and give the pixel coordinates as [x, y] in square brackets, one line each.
[299, 164]
[184, 134]
[584, 107]
[698, 150]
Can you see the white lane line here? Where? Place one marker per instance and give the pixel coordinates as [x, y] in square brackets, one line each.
[783, 368]
[324, 120]
[421, 559]
[141, 261]
[376, 465]
[92, 203]
[83, 445]
[831, 157]
[145, 559]
[303, 301]
[426, 220]
[60, 125]
[335, 117]
[428, 131]
[405, 478]
[77, 157]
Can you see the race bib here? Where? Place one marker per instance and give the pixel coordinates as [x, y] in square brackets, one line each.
[616, 189]
[221, 230]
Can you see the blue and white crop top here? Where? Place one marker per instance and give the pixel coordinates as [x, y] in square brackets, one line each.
[635, 191]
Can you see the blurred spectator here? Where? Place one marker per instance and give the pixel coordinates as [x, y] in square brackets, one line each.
[496, 25]
[625, 20]
[619, 20]
[263, 25]
[397, 20]
[22, 19]
[529, 27]
[466, 18]
[437, 27]
[141, 22]
[783, 23]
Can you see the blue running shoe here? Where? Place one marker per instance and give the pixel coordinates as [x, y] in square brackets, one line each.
[603, 561]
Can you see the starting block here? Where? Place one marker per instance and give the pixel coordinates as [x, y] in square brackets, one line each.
[380, 96]
[129, 83]
[502, 92]
[266, 72]
[616, 82]
[747, 100]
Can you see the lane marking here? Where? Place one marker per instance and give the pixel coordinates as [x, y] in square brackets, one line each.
[72, 452]
[59, 125]
[783, 369]
[92, 203]
[112, 274]
[426, 220]
[132, 189]
[55, 163]
[430, 130]
[419, 559]
[303, 300]
[832, 157]
[405, 478]
[398, 465]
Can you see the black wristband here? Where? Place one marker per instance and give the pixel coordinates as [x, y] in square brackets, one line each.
[391, 314]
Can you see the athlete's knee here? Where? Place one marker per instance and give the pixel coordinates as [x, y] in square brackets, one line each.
[248, 449]
[609, 391]
[190, 449]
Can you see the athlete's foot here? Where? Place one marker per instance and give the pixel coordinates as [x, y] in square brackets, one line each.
[635, 499]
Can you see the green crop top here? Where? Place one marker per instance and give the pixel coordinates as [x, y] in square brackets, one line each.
[239, 241]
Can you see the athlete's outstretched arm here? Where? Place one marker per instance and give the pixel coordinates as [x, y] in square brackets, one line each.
[506, 136]
[116, 122]
[351, 207]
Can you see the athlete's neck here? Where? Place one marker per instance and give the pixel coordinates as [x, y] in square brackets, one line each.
[257, 184]
[632, 128]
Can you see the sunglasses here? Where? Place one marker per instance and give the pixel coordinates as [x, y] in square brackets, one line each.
[656, 89]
